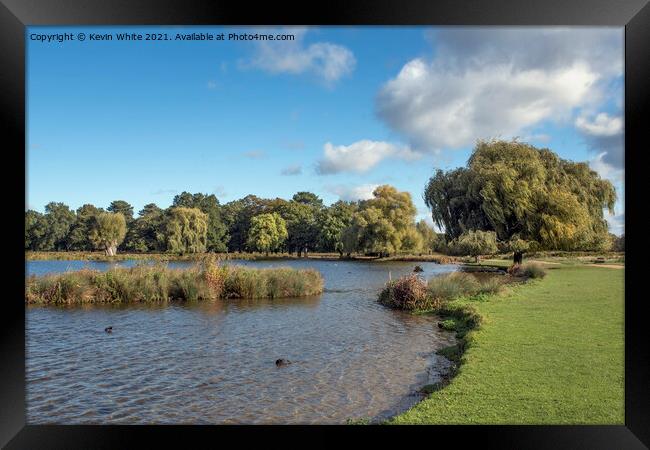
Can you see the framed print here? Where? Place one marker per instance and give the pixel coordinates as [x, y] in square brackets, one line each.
[356, 218]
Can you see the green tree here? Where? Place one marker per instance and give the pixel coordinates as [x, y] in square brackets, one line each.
[56, 225]
[209, 204]
[185, 230]
[35, 229]
[237, 216]
[267, 232]
[308, 198]
[145, 233]
[513, 188]
[477, 243]
[429, 236]
[302, 228]
[385, 220]
[122, 207]
[79, 236]
[108, 231]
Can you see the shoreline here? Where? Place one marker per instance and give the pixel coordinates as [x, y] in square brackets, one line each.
[167, 257]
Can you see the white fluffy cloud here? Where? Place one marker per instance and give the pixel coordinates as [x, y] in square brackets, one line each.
[601, 125]
[325, 60]
[353, 193]
[359, 156]
[485, 83]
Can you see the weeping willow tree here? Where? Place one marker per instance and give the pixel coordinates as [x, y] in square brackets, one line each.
[107, 231]
[527, 196]
[185, 230]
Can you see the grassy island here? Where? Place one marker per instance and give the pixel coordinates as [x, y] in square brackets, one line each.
[153, 283]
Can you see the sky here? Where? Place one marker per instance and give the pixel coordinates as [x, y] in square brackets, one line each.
[336, 111]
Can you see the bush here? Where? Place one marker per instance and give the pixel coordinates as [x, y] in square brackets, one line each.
[412, 293]
[408, 292]
[527, 270]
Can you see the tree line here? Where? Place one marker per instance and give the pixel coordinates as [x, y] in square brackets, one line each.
[511, 197]
[197, 223]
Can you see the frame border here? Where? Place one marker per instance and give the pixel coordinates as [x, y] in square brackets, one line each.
[15, 15]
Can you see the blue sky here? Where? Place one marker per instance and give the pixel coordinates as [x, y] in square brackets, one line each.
[337, 111]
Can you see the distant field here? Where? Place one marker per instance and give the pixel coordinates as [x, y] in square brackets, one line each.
[548, 352]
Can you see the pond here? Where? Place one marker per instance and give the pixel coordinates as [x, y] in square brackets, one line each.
[214, 362]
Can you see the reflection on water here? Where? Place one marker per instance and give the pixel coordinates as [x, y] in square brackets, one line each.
[214, 362]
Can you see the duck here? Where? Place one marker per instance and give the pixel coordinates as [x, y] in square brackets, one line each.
[282, 362]
[108, 329]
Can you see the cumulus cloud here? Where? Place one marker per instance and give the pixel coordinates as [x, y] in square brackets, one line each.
[353, 193]
[360, 156]
[603, 135]
[486, 83]
[294, 169]
[325, 60]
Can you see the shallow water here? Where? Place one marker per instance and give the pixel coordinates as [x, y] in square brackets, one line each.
[214, 362]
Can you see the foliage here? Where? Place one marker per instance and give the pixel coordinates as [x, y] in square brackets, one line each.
[513, 188]
[185, 230]
[477, 243]
[408, 292]
[217, 234]
[412, 293]
[108, 231]
[267, 232]
[528, 270]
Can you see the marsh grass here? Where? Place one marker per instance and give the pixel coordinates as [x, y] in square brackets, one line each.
[412, 293]
[153, 283]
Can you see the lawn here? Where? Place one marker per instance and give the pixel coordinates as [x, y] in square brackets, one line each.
[548, 352]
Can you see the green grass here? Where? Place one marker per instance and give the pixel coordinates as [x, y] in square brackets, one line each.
[548, 351]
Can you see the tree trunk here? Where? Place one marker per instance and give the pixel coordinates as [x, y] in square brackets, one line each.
[518, 257]
[299, 252]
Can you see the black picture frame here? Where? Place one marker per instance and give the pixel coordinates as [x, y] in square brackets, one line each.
[634, 15]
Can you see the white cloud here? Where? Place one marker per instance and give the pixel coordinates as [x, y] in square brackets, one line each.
[606, 170]
[485, 83]
[616, 223]
[359, 156]
[325, 60]
[603, 135]
[601, 125]
[294, 169]
[352, 193]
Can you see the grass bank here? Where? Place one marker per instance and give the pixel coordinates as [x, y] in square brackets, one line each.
[145, 283]
[547, 351]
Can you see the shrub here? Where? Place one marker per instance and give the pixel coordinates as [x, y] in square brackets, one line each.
[408, 292]
[412, 293]
[527, 270]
